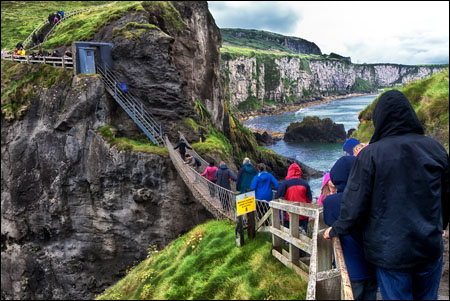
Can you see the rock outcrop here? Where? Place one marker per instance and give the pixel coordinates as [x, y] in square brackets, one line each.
[314, 129]
[168, 53]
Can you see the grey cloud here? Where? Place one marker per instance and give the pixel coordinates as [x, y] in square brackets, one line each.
[270, 16]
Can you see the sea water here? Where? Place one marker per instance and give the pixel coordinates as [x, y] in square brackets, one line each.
[318, 155]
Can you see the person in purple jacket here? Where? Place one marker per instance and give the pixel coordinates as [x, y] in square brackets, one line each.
[362, 274]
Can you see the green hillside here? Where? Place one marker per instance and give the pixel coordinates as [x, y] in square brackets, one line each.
[429, 98]
[20, 18]
[264, 40]
[206, 264]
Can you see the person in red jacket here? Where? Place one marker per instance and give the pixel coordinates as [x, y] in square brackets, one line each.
[295, 189]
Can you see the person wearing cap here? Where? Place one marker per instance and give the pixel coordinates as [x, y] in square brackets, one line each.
[398, 190]
[349, 145]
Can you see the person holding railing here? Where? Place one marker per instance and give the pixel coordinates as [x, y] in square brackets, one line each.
[195, 163]
[223, 176]
[182, 146]
[245, 176]
[295, 189]
[398, 189]
[209, 173]
[361, 273]
[262, 185]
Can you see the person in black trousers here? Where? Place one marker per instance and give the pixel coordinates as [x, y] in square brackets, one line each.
[182, 146]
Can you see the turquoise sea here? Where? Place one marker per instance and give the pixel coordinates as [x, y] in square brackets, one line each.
[320, 156]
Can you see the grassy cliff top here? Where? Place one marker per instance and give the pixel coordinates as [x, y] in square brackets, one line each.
[429, 98]
[259, 39]
[206, 264]
[20, 18]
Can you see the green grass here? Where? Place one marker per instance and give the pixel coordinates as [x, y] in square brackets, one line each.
[84, 26]
[429, 98]
[215, 143]
[22, 82]
[142, 145]
[257, 39]
[20, 18]
[205, 264]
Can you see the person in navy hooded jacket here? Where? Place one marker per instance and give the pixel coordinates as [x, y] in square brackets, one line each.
[362, 273]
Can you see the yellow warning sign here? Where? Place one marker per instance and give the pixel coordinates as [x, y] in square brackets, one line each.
[245, 203]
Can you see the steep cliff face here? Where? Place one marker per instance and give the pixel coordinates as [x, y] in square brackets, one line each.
[168, 53]
[77, 212]
[288, 78]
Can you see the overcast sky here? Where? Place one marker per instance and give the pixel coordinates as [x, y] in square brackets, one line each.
[369, 32]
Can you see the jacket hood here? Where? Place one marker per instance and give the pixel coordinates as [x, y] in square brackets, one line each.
[349, 145]
[340, 172]
[264, 175]
[326, 178]
[294, 171]
[224, 166]
[249, 168]
[394, 115]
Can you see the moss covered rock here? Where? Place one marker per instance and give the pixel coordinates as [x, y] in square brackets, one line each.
[314, 129]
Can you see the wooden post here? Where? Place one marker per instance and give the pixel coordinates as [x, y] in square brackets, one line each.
[239, 232]
[251, 225]
[276, 241]
[294, 253]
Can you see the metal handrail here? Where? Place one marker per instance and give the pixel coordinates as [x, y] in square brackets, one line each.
[133, 107]
[63, 61]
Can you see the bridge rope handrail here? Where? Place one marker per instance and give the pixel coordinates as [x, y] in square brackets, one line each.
[218, 200]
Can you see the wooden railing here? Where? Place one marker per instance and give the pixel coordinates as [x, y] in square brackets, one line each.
[324, 268]
[65, 62]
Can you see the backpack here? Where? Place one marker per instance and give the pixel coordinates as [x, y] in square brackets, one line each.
[198, 162]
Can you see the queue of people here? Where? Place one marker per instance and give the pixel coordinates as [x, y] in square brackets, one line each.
[387, 201]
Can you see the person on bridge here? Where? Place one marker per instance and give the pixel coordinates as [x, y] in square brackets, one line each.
[295, 189]
[195, 163]
[223, 176]
[398, 189]
[361, 272]
[182, 146]
[245, 176]
[349, 145]
[209, 173]
[262, 184]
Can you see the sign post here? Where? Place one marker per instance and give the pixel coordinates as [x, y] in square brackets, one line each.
[245, 204]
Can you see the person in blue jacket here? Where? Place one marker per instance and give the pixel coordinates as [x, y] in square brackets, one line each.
[262, 184]
[362, 273]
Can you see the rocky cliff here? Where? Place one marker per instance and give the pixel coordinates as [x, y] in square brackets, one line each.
[289, 78]
[168, 53]
[77, 212]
